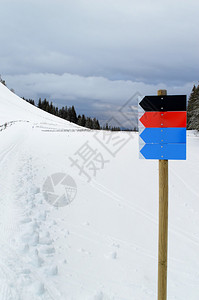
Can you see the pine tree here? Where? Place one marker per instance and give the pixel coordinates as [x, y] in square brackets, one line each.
[96, 124]
[69, 115]
[39, 103]
[61, 112]
[65, 115]
[79, 120]
[83, 121]
[73, 115]
[51, 108]
[191, 101]
[193, 109]
[89, 123]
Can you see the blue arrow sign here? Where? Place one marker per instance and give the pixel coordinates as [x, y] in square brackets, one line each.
[165, 151]
[164, 135]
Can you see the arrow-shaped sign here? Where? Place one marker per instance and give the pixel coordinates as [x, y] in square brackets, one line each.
[165, 127]
[164, 119]
[164, 103]
[163, 135]
[167, 151]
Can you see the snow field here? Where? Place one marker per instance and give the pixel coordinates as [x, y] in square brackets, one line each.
[103, 245]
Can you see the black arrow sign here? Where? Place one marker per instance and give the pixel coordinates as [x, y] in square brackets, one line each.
[164, 103]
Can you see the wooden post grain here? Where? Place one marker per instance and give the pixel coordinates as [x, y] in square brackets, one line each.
[163, 224]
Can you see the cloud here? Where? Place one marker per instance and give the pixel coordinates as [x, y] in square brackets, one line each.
[149, 41]
[98, 53]
[73, 86]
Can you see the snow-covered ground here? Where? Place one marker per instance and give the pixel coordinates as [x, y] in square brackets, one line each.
[99, 239]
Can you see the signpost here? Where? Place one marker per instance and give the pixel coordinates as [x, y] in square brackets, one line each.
[163, 135]
[163, 138]
[163, 102]
[164, 119]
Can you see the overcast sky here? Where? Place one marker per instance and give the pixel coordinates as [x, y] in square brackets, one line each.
[96, 54]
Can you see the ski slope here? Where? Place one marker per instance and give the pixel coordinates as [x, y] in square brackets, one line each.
[103, 244]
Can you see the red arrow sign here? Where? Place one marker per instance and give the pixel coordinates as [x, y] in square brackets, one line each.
[164, 119]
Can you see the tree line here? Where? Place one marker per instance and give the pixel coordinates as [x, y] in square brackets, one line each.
[66, 113]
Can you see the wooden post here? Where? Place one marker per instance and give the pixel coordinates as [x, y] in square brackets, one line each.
[163, 224]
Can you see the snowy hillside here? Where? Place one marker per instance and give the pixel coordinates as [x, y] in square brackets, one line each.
[79, 212]
[15, 110]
